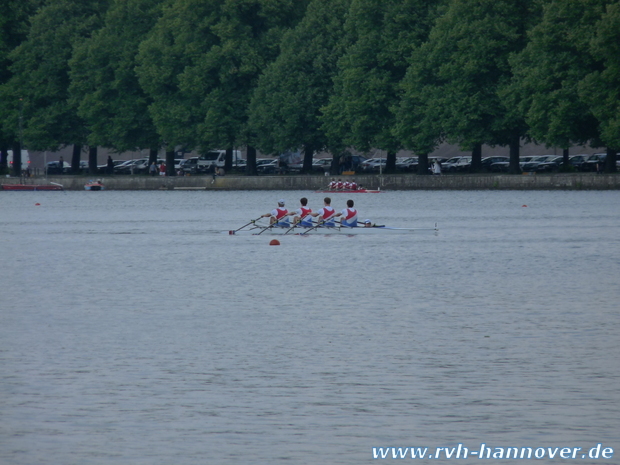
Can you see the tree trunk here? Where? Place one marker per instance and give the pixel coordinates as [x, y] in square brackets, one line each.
[170, 163]
[390, 162]
[153, 156]
[515, 145]
[334, 170]
[423, 164]
[76, 154]
[250, 169]
[228, 160]
[565, 158]
[476, 159]
[92, 159]
[308, 157]
[4, 156]
[610, 161]
[17, 160]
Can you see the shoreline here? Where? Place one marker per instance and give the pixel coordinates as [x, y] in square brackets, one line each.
[564, 181]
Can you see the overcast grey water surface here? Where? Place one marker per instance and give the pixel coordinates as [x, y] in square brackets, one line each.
[135, 330]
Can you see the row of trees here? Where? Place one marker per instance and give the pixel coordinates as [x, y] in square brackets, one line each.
[312, 74]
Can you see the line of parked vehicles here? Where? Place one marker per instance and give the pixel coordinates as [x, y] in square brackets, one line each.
[207, 163]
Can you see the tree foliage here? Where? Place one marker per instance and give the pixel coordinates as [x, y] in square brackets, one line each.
[287, 74]
[285, 109]
[104, 85]
[41, 71]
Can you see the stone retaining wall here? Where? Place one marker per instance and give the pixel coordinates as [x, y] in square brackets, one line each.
[576, 181]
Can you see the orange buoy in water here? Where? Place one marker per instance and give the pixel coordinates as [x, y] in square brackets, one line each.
[37, 204]
[274, 242]
[524, 205]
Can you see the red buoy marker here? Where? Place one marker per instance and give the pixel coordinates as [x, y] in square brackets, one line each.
[274, 242]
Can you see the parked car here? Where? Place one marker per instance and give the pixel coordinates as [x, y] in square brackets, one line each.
[577, 161]
[534, 163]
[552, 164]
[104, 168]
[486, 162]
[502, 166]
[53, 167]
[189, 165]
[407, 164]
[130, 166]
[267, 166]
[372, 165]
[594, 162]
[322, 164]
[456, 164]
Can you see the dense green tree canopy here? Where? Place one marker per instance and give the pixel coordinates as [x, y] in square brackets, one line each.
[104, 85]
[285, 108]
[456, 80]
[287, 74]
[382, 35]
[41, 71]
[548, 72]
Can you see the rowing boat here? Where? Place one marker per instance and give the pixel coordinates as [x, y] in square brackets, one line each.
[321, 230]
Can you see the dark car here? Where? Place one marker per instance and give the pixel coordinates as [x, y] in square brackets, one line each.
[189, 165]
[322, 164]
[53, 167]
[534, 163]
[267, 166]
[552, 164]
[407, 164]
[486, 162]
[577, 161]
[594, 163]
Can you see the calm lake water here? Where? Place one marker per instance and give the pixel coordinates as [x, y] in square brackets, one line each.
[135, 330]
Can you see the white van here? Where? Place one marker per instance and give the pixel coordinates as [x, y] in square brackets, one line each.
[25, 160]
[216, 158]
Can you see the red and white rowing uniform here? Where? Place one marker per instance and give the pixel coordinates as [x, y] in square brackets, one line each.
[304, 214]
[339, 185]
[327, 213]
[353, 186]
[347, 186]
[349, 217]
[280, 215]
[332, 185]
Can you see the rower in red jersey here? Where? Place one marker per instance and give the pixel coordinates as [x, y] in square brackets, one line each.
[302, 214]
[326, 214]
[278, 216]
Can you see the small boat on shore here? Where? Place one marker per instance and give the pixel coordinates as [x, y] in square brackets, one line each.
[94, 185]
[32, 187]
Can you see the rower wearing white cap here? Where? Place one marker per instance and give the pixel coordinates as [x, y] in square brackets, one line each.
[367, 224]
[278, 215]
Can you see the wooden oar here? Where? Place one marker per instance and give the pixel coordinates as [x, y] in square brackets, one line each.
[297, 224]
[251, 222]
[320, 223]
[270, 226]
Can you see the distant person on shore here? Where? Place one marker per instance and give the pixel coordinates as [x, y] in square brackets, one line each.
[153, 169]
[61, 165]
[110, 167]
[436, 167]
[162, 169]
